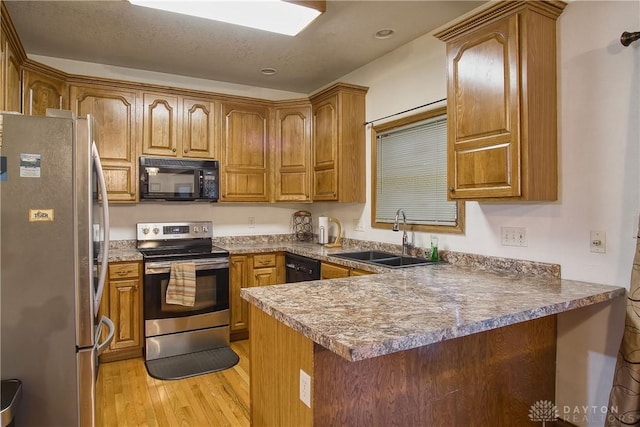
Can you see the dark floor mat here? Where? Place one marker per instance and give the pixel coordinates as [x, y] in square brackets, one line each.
[192, 364]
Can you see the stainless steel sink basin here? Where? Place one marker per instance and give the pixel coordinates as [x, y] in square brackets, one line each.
[385, 258]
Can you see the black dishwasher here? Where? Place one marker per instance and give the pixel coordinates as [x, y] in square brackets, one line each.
[300, 268]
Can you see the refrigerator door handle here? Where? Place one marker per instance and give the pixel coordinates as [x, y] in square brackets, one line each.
[105, 217]
[112, 330]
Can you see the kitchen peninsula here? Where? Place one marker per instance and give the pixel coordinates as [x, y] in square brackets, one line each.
[439, 345]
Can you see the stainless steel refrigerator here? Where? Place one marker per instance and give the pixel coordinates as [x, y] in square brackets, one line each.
[54, 214]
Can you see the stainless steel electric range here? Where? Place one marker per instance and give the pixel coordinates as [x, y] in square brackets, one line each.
[175, 329]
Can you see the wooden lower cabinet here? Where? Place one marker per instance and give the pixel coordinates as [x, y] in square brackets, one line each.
[489, 378]
[238, 308]
[250, 270]
[122, 303]
[335, 271]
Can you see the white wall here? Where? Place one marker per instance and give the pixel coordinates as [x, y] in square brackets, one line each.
[599, 139]
[599, 147]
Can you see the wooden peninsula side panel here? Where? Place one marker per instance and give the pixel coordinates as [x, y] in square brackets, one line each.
[489, 378]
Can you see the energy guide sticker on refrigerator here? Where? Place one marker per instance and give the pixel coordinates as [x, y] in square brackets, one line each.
[30, 165]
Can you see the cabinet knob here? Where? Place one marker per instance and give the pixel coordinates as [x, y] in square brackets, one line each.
[186, 151]
[173, 149]
[451, 189]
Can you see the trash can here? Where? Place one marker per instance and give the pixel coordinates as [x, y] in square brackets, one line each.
[11, 391]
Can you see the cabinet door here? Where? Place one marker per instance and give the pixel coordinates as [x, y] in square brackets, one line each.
[333, 271]
[159, 125]
[325, 150]
[115, 133]
[265, 276]
[238, 279]
[42, 92]
[198, 128]
[12, 79]
[358, 272]
[245, 153]
[124, 311]
[483, 126]
[293, 154]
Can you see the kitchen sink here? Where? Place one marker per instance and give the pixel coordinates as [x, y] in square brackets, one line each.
[366, 255]
[385, 258]
[404, 261]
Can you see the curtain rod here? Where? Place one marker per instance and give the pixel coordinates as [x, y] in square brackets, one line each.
[405, 111]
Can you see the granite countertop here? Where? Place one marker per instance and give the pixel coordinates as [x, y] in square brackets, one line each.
[399, 309]
[368, 316]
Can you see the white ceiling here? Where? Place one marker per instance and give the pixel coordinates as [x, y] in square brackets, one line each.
[116, 33]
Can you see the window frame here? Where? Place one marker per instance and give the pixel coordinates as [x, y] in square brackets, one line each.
[458, 228]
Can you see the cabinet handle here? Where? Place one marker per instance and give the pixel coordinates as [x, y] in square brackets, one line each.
[173, 149]
[123, 272]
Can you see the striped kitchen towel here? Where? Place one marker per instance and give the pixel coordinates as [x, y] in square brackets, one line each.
[182, 284]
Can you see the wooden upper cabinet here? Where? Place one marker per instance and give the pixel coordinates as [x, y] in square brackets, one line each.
[198, 128]
[178, 126]
[160, 125]
[115, 133]
[245, 153]
[11, 78]
[42, 91]
[292, 146]
[339, 144]
[502, 103]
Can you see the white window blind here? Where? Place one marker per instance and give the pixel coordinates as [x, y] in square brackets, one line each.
[411, 169]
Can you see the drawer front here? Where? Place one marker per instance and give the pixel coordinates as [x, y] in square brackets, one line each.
[264, 260]
[124, 271]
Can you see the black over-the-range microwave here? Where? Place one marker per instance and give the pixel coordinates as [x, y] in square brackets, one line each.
[178, 179]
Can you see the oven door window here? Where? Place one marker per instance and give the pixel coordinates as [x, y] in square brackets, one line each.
[212, 294]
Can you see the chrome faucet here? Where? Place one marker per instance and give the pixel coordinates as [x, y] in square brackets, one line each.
[396, 227]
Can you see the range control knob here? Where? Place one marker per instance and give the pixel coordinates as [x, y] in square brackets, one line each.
[196, 229]
[205, 229]
[156, 230]
[145, 230]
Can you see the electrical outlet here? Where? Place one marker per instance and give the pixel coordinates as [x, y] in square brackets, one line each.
[358, 225]
[514, 236]
[598, 242]
[252, 222]
[305, 388]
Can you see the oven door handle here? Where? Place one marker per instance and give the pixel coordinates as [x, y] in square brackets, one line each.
[164, 267]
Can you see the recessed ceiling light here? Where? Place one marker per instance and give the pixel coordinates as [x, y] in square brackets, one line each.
[275, 16]
[268, 71]
[385, 33]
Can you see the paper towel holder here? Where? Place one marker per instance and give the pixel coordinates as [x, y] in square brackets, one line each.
[336, 243]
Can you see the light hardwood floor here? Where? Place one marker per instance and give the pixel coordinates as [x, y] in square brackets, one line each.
[127, 396]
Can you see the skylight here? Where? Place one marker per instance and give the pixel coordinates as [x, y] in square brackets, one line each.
[269, 15]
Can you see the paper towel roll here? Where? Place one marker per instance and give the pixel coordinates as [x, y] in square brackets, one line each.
[323, 230]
